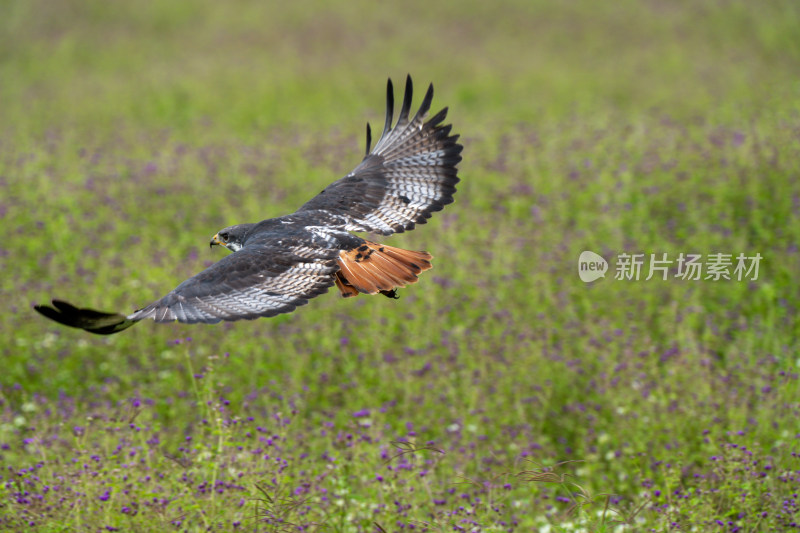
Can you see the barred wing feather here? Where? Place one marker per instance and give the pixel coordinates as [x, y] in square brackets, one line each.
[254, 282]
[410, 174]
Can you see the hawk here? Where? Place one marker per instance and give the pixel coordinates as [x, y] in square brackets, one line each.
[280, 263]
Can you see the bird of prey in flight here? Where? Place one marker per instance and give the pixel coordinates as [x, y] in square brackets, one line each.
[280, 263]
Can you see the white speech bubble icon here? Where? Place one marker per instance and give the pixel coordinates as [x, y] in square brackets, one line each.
[591, 266]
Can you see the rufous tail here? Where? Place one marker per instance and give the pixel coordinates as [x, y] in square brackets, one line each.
[372, 268]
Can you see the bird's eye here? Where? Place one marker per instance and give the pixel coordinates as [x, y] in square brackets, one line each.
[223, 236]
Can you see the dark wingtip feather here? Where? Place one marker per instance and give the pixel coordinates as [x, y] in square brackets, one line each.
[49, 312]
[64, 307]
[406, 101]
[426, 104]
[389, 107]
[97, 322]
[369, 140]
[438, 117]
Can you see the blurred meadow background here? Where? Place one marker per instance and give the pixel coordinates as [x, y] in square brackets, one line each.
[501, 393]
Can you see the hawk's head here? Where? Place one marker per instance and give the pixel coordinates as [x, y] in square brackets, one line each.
[231, 237]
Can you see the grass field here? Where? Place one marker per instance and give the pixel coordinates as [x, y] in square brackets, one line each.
[501, 393]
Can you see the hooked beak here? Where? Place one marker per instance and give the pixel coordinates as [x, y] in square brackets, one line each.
[215, 241]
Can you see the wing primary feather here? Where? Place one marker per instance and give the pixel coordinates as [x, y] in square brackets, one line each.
[406, 102]
[387, 127]
[97, 322]
[369, 139]
[426, 106]
[438, 117]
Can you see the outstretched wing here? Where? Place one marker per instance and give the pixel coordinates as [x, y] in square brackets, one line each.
[262, 280]
[410, 174]
[256, 281]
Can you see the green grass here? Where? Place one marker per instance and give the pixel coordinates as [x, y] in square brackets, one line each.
[501, 392]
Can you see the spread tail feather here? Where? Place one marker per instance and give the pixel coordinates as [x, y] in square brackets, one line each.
[372, 268]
